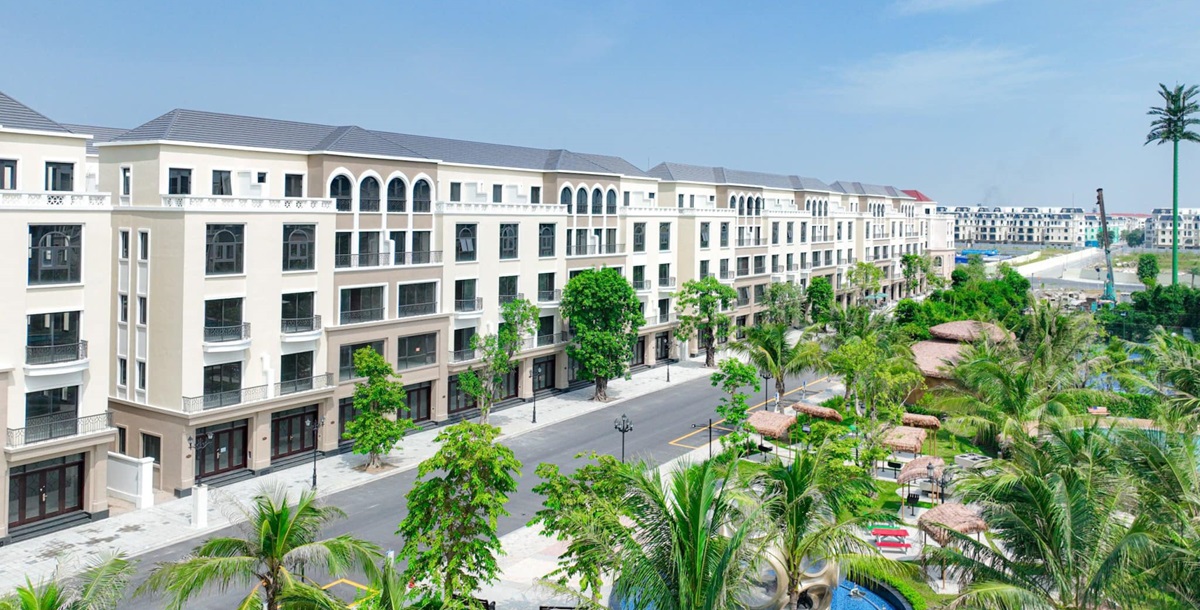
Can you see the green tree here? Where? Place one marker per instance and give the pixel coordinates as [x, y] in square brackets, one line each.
[866, 278]
[1172, 123]
[519, 318]
[1135, 237]
[916, 268]
[700, 304]
[783, 303]
[449, 533]
[820, 299]
[378, 424]
[1147, 270]
[280, 541]
[605, 313]
[769, 349]
[101, 586]
[732, 376]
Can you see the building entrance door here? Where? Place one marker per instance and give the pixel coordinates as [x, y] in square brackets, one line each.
[543, 373]
[292, 431]
[45, 489]
[226, 452]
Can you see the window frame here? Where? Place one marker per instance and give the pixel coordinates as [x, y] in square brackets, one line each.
[299, 255]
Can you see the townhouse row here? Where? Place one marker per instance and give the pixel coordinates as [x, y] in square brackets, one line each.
[1066, 227]
[196, 285]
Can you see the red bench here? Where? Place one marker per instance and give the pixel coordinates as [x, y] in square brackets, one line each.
[888, 544]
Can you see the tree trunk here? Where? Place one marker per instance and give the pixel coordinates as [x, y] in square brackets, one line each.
[780, 387]
[1175, 216]
[601, 394]
[710, 352]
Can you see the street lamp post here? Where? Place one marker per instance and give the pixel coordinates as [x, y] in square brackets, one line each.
[197, 446]
[932, 479]
[623, 425]
[533, 378]
[765, 376]
[315, 426]
[806, 429]
[709, 426]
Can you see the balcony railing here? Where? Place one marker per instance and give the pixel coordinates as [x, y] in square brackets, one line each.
[743, 301]
[416, 360]
[666, 317]
[760, 269]
[215, 400]
[777, 269]
[304, 384]
[52, 354]
[743, 271]
[641, 284]
[553, 338]
[420, 257]
[362, 259]
[666, 282]
[218, 203]
[463, 355]
[416, 309]
[221, 334]
[358, 316]
[744, 242]
[793, 267]
[53, 199]
[300, 325]
[726, 274]
[368, 204]
[594, 249]
[549, 296]
[60, 425]
[509, 298]
[468, 305]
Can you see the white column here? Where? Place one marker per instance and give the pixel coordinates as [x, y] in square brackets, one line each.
[200, 506]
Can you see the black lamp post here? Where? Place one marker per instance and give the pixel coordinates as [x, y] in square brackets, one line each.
[765, 376]
[943, 483]
[197, 446]
[709, 426]
[806, 429]
[533, 378]
[929, 468]
[623, 425]
[315, 426]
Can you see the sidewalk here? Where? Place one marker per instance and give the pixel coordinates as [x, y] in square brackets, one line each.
[140, 531]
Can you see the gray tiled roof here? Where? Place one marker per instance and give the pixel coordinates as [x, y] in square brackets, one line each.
[15, 115]
[858, 188]
[99, 134]
[236, 130]
[720, 175]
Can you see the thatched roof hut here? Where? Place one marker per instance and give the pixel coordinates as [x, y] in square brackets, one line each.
[970, 331]
[950, 516]
[817, 411]
[936, 358]
[905, 438]
[769, 423]
[917, 420]
[918, 469]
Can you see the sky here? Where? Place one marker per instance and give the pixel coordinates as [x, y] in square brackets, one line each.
[1005, 102]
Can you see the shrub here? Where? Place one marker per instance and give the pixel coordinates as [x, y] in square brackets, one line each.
[906, 589]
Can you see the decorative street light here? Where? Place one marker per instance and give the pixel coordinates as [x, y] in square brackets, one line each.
[806, 429]
[198, 446]
[533, 378]
[623, 425]
[315, 426]
[929, 468]
[709, 426]
[765, 376]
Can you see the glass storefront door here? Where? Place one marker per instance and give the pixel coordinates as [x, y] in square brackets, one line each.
[292, 431]
[45, 489]
[227, 450]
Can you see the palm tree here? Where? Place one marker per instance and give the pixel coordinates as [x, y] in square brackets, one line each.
[774, 351]
[280, 541]
[1172, 361]
[1059, 511]
[1171, 124]
[100, 587]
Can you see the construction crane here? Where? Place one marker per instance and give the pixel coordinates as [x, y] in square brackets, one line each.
[1110, 288]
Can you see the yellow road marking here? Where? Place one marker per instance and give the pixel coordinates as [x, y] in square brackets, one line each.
[760, 405]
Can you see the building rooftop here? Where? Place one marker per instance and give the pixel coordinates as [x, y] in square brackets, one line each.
[918, 195]
[99, 134]
[15, 115]
[859, 188]
[684, 172]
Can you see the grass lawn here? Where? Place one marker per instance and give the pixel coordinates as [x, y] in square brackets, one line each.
[1044, 254]
[1187, 260]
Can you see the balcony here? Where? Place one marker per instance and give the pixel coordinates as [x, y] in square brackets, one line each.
[360, 316]
[549, 296]
[726, 275]
[464, 355]
[216, 400]
[220, 203]
[53, 199]
[641, 285]
[56, 359]
[410, 310]
[292, 326]
[546, 340]
[229, 338]
[760, 269]
[595, 249]
[666, 282]
[793, 267]
[747, 242]
[776, 268]
[423, 257]
[474, 305]
[509, 298]
[52, 427]
[304, 384]
[415, 361]
[362, 259]
[664, 317]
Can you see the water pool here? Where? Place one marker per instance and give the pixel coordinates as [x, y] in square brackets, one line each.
[842, 600]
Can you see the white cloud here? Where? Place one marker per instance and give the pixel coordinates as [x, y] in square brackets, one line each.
[912, 7]
[936, 80]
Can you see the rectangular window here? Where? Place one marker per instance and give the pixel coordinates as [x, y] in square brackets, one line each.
[724, 235]
[123, 307]
[122, 435]
[680, 200]
[222, 183]
[508, 288]
[60, 176]
[8, 175]
[760, 291]
[626, 197]
[124, 244]
[346, 357]
[791, 234]
[293, 185]
[416, 350]
[299, 245]
[464, 296]
[122, 372]
[55, 254]
[296, 313]
[455, 191]
[462, 339]
[639, 276]
[295, 372]
[179, 181]
[222, 384]
[546, 235]
[369, 251]
[508, 241]
[546, 286]
[639, 237]
[704, 269]
[341, 249]
[152, 447]
[141, 375]
[416, 299]
[143, 311]
[143, 246]
[126, 181]
[704, 234]
[224, 249]
[361, 305]
[497, 193]
[664, 275]
[223, 320]
[664, 236]
[774, 233]
[535, 194]
[464, 243]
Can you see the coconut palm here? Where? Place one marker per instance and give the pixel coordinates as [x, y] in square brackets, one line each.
[1064, 539]
[1172, 123]
[101, 586]
[280, 542]
[775, 351]
[1172, 361]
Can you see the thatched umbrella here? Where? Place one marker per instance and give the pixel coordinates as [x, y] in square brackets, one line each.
[918, 469]
[970, 331]
[928, 422]
[769, 423]
[817, 411]
[939, 520]
[905, 438]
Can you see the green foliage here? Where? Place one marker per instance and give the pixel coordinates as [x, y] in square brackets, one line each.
[519, 319]
[773, 349]
[101, 586]
[700, 304]
[1119, 404]
[783, 303]
[1135, 237]
[449, 533]
[915, 267]
[379, 423]
[606, 315]
[1002, 299]
[1147, 270]
[1172, 307]
[866, 278]
[731, 378]
[820, 299]
[907, 589]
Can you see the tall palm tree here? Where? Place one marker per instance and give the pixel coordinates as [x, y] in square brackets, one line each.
[775, 351]
[1172, 123]
[1059, 511]
[280, 542]
[100, 587]
[1172, 362]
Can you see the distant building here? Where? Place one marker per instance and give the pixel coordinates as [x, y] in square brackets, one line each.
[1062, 227]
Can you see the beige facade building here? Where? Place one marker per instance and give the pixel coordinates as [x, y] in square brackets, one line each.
[236, 263]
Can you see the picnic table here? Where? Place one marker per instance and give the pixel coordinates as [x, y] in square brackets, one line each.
[891, 538]
[885, 532]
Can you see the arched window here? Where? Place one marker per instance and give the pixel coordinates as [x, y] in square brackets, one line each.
[565, 198]
[422, 198]
[581, 201]
[612, 202]
[464, 247]
[55, 256]
[397, 196]
[937, 262]
[508, 241]
[546, 238]
[758, 206]
[297, 247]
[597, 202]
[339, 190]
[741, 206]
[224, 249]
[732, 202]
[368, 195]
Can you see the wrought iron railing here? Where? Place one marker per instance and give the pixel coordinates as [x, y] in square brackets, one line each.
[60, 425]
[409, 310]
[214, 400]
[52, 354]
[726, 274]
[368, 204]
[300, 325]
[362, 259]
[221, 334]
[641, 284]
[549, 296]
[666, 282]
[303, 384]
[418, 257]
[358, 316]
[463, 355]
[509, 298]
[468, 305]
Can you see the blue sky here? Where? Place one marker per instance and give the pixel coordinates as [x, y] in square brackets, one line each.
[996, 101]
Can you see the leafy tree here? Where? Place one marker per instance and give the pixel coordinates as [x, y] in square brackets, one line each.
[606, 315]
[916, 269]
[519, 318]
[959, 277]
[1147, 270]
[101, 586]
[1135, 237]
[784, 303]
[449, 533]
[378, 402]
[700, 304]
[280, 540]
[866, 278]
[731, 378]
[770, 350]
[583, 509]
[1172, 123]
[820, 299]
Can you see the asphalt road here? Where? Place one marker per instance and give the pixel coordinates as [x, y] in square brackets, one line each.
[374, 510]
